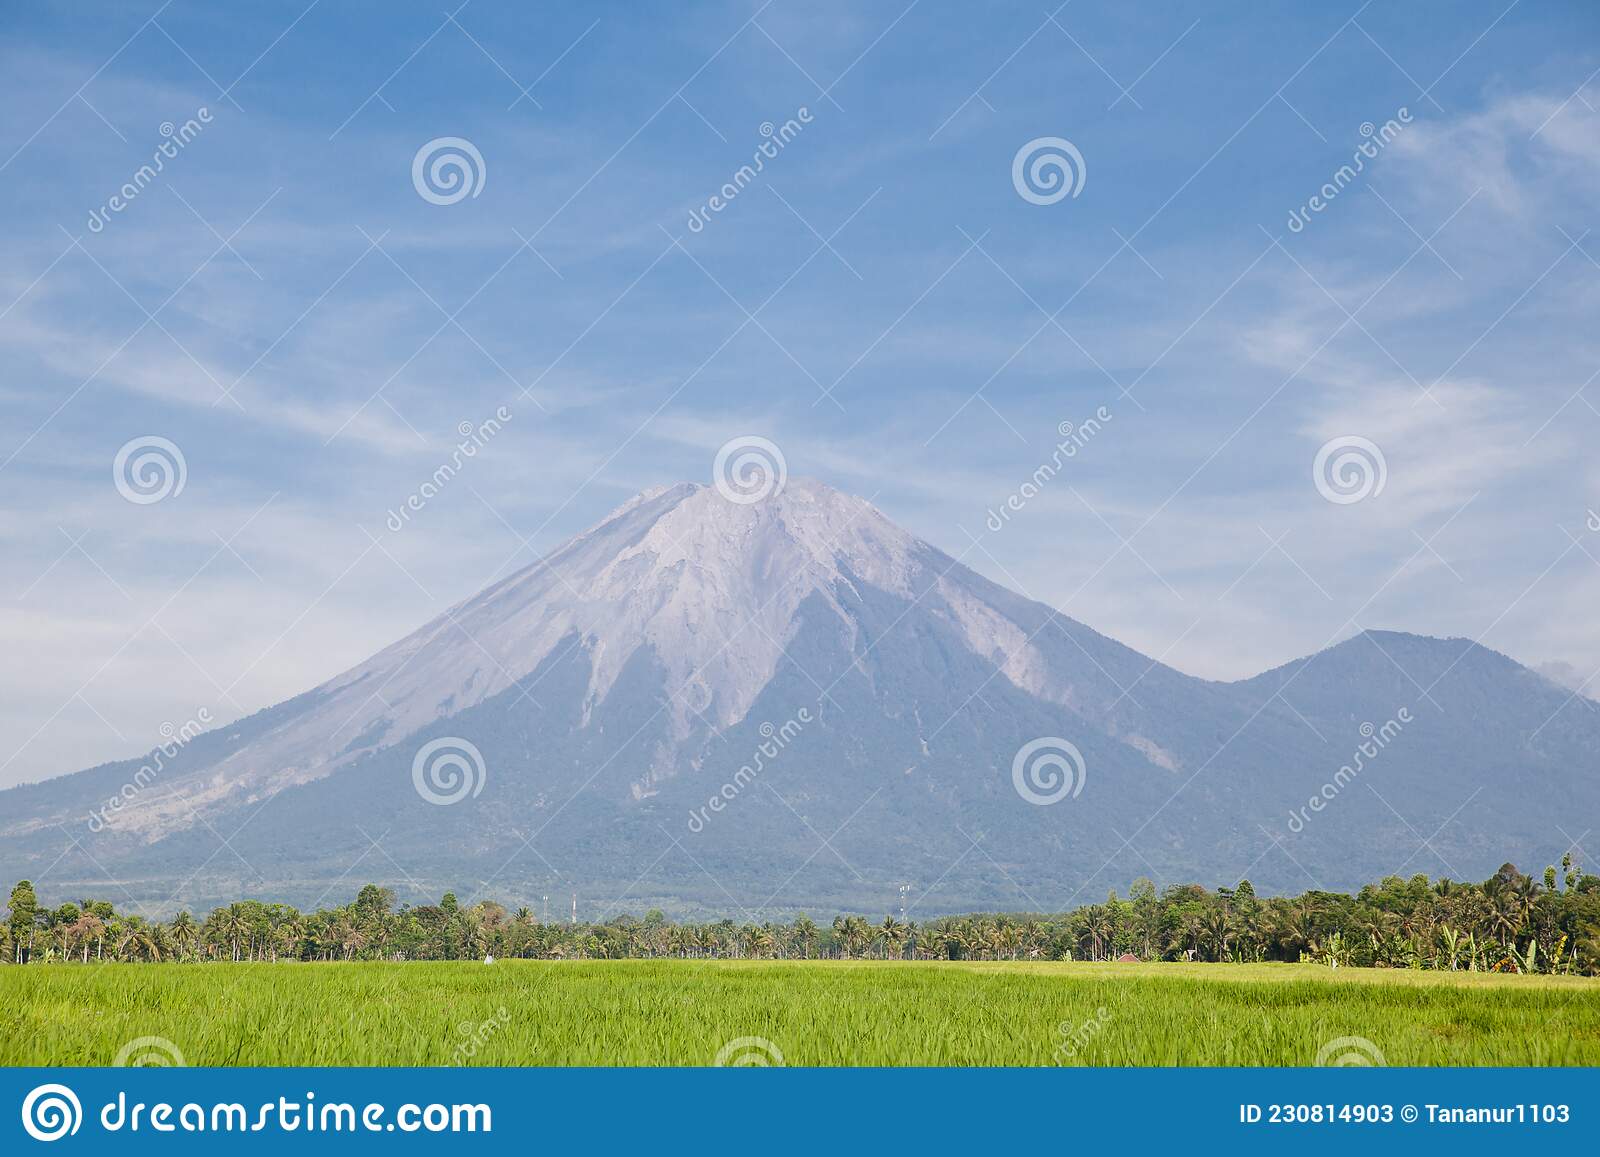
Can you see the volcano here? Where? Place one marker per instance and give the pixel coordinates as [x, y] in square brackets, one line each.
[712, 705]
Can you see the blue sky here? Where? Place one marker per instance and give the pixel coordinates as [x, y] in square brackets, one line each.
[282, 305]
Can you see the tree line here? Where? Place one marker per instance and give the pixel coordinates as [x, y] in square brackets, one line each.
[1511, 922]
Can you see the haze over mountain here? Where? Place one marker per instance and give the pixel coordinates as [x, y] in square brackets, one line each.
[855, 700]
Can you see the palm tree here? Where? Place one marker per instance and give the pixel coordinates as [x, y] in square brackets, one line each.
[758, 941]
[288, 937]
[894, 935]
[855, 934]
[1185, 936]
[672, 941]
[1098, 925]
[1034, 939]
[185, 936]
[1218, 926]
[963, 937]
[1298, 927]
[137, 938]
[82, 930]
[234, 925]
[805, 930]
[983, 938]
[864, 933]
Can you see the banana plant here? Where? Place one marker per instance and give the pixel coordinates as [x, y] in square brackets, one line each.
[1452, 944]
[1526, 961]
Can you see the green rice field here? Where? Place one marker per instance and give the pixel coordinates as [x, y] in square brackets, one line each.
[677, 1012]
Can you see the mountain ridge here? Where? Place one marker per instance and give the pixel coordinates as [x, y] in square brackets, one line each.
[616, 685]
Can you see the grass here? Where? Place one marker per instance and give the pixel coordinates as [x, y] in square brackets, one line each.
[816, 1013]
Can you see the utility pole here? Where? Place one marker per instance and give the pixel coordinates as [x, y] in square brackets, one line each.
[547, 909]
[574, 909]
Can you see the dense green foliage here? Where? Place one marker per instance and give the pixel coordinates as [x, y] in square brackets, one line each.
[818, 1012]
[1510, 923]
